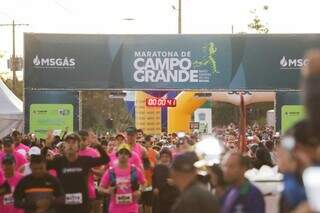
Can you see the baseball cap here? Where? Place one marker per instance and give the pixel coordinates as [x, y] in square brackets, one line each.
[73, 136]
[7, 140]
[34, 151]
[120, 135]
[185, 162]
[124, 146]
[8, 159]
[131, 130]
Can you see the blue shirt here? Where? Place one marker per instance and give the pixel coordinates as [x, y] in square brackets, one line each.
[294, 192]
[244, 199]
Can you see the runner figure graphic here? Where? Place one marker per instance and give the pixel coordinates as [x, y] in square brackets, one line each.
[209, 59]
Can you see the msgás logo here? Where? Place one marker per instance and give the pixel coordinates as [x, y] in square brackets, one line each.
[292, 63]
[51, 62]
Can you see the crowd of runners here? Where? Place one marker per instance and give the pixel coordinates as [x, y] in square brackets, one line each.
[128, 172]
[131, 172]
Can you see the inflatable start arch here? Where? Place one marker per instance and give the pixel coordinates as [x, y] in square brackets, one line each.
[180, 116]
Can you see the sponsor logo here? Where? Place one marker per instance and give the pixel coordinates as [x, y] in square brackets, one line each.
[292, 63]
[50, 62]
[210, 58]
[71, 170]
[64, 112]
[163, 66]
[175, 66]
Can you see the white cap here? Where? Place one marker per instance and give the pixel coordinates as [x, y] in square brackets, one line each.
[34, 151]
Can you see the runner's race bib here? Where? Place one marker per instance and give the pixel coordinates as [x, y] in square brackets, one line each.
[73, 199]
[124, 198]
[8, 200]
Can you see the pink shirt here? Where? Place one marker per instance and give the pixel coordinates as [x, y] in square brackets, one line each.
[19, 158]
[90, 152]
[6, 201]
[134, 160]
[22, 146]
[137, 148]
[123, 188]
[2, 179]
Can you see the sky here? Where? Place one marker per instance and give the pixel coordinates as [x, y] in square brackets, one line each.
[150, 17]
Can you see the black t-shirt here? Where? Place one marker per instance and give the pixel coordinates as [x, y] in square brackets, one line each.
[167, 193]
[196, 198]
[30, 189]
[74, 179]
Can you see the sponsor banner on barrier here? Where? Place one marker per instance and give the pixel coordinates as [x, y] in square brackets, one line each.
[50, 117]
[291, 114]
[284, 101]
[51, 110]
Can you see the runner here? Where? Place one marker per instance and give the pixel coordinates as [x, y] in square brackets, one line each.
[38, 192]
[194, 196]
[242, 196]
[17, 140]
[147, 195]
[122, 183]
[85, 150]
[140, 135]
[8, 148]
[112, 151]
[12, 177]
[25, 169]
[73, 172]
[131, 133]
[132, 141]
[165, 193]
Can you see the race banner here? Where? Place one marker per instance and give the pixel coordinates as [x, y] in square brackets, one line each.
[262, 62]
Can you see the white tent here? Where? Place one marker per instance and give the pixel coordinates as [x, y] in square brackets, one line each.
[11, 111]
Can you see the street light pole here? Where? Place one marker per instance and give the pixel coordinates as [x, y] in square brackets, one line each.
[13, 59]
[180, 17]
[13, 67]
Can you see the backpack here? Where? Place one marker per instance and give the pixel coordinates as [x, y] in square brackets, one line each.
[133, 178]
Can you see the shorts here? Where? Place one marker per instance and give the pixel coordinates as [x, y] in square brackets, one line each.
[146, 198]
[95, 206]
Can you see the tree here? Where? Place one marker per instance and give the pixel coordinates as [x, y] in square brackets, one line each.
[19, 87]
[226, 113]
[97, 107]
[257, 24]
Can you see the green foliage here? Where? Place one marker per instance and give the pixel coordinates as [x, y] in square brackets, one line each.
[225, 113]
[257, 24]
[97, 107]
[19, 87]
[257, 112]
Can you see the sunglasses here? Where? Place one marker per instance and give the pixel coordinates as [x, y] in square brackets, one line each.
[124, 152]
